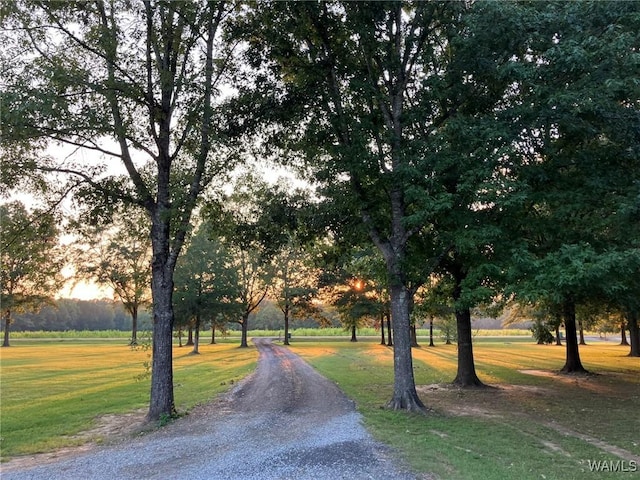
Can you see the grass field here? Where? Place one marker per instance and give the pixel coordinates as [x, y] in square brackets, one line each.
[51, 391]
[532, 425]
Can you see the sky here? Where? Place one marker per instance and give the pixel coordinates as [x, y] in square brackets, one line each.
[83, 290]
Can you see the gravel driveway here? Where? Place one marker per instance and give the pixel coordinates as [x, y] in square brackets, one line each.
[285, 421]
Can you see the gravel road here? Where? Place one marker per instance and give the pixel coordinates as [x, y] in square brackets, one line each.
[285, 421]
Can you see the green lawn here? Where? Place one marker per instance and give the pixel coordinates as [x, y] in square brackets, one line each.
[51, 391]
[533, 425]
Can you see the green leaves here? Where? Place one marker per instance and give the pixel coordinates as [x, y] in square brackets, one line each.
[31, 259]
[206, 281]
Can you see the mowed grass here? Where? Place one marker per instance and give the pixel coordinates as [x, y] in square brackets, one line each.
[51, 391]
[534, 424]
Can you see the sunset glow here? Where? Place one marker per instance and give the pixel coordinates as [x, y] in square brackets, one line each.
[84, 290]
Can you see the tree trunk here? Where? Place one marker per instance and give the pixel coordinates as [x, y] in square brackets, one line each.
[581, 330]
[389, 331]
[7, 326]
[244, 326]
[162, 403]
[405, 396]
[213, 333]
[414, 337]
[286, 325]
[196, 337]
[162, 399]
[572, 363]
[466, 375]
[190, 336]
[431, 344]
[623, 333]
[558, 339]
[134, 326]
[634, 333]
[382, 339]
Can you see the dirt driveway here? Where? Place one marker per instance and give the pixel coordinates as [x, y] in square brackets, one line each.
[285, 421]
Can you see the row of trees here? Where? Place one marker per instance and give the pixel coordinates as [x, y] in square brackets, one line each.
[79, 315]
[217, 283]
[488, 147]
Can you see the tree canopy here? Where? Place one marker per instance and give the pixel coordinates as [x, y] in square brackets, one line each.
[30, 261]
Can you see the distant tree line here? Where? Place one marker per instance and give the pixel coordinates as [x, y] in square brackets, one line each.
[104, 314]
[74, 314]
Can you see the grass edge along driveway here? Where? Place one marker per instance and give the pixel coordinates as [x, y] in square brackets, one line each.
[532, 424]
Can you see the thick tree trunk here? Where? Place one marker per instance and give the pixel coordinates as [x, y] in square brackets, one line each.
[244, 326]
[431, 344]
[134, 326]
[353, 334]
[7, 328]
[213, 334]
[466, 375]
[581, 330]
[405, 396]
[286, 325]
[572, 363]
[382, 338]
[162, 399]
[190, 336]
[623, 334]
[162, 403]
[634, 333]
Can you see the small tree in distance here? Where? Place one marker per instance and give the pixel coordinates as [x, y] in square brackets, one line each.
[119, 256]
[30, 261]
[294, 287]
[205, 285]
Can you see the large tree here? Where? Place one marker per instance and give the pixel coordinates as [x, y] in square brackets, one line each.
[31, 261]
[360, 70]
[578, 201]
[125, 85]
[396, 108]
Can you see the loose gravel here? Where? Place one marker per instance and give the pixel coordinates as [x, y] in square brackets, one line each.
[285, 421]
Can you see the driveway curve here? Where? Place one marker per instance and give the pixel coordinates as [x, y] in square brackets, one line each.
[284, 421]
